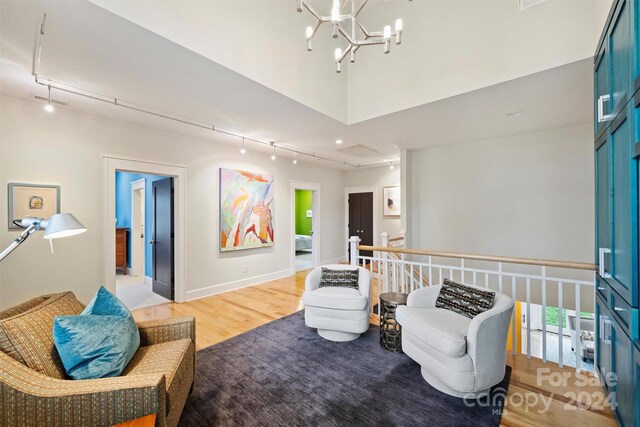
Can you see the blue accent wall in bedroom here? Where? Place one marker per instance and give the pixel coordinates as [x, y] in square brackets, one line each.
[123, 210]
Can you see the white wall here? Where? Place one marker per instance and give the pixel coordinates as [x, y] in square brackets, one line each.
[452, 47]
[377, 177]
[262, 40]
[66, 148]
[529, 195]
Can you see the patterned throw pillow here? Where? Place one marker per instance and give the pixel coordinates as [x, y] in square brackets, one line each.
[463, 299]
[339, 278]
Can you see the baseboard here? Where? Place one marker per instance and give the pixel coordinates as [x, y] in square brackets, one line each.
[333, 260]
[237, 284]
[148, 280]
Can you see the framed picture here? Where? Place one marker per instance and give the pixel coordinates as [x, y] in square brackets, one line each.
[391, 201]
[32, 200]
[246, 210]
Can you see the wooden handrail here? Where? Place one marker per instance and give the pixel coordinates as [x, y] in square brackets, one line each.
[395, 239]
[508, 260]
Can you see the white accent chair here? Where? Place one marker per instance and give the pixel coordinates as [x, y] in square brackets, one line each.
[459, 356]
[339, 314]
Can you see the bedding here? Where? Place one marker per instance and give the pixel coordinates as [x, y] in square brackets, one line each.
[303, 243]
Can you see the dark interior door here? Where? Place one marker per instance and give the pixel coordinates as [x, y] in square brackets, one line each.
[361, 219]
[162, 243]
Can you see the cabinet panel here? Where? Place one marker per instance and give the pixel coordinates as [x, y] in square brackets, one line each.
[620, 44]
[603, 203]
[636, 379]
[603, 340]
[623, 369]
[602, 104]
[622, 266]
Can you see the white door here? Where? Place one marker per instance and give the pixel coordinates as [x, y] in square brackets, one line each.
[137, 229]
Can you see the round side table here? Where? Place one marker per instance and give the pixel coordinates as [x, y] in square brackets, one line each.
[390, 330]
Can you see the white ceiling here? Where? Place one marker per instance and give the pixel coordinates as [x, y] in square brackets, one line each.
[93, 49]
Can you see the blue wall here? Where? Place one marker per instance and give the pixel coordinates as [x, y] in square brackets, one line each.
[123, 211]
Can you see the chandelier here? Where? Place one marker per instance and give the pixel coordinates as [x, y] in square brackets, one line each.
[347, 25]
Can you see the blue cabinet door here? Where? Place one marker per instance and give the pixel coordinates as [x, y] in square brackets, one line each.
[621, 48]
[623, 369]
[623, 210]
[603, 341]
[602, 103]
[603, 203]
[636, 378]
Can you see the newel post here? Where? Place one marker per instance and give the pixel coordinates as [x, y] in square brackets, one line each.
[384, 242]
[354, 241]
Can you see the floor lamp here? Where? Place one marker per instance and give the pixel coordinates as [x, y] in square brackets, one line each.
[56, 226]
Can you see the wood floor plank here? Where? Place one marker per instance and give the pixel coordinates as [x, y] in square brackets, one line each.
[533, 399]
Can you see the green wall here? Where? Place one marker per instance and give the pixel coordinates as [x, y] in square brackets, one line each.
[303, 203]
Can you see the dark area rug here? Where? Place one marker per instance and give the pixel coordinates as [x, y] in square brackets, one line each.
[283, 373]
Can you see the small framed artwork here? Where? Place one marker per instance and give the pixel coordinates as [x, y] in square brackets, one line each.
[391, 201]
[32, 200]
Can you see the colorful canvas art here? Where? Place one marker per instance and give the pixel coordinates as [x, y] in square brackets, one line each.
[246, 210]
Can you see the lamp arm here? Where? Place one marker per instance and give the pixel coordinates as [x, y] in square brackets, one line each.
[24, 236]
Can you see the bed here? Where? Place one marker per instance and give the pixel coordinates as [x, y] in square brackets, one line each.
[303, 243]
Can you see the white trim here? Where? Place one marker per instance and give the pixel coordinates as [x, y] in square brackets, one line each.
[377, 209]
[316, 223]
[179, 173]
[136, 251]
[236, 284]
[148, 280]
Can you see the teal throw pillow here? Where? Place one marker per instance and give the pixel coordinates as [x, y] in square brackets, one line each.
[98, 343]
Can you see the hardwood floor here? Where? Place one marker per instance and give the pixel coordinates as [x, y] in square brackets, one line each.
[537, 396]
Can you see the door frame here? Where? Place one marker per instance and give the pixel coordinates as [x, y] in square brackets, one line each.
[179, 174]
[138, 254]
[316, 207]
[377, 209]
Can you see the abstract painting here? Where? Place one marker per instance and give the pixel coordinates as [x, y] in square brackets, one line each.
[246, 210]
[391, 199]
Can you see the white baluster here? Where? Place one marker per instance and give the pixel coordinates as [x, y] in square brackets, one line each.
[560, 331]
[528, 318]
[578, 348]
[544, 314]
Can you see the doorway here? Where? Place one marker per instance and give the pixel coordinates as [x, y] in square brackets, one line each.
[360, 217]
[144, 252]
[305, 225]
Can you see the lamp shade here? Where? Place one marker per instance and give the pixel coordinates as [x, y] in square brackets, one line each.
[62, 225]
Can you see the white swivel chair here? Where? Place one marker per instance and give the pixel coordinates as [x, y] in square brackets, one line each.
[459, 356]
[339, 314]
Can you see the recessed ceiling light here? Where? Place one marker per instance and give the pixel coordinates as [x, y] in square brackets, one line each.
[338, 141]
[515, 113]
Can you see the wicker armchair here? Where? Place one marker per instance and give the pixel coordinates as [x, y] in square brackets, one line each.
[157, 381]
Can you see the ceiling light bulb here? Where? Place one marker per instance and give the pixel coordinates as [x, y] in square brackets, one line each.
[49, 107]
[338, 54]
[387, 32]
[338, 141]
[398, 24]
[309, 32]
